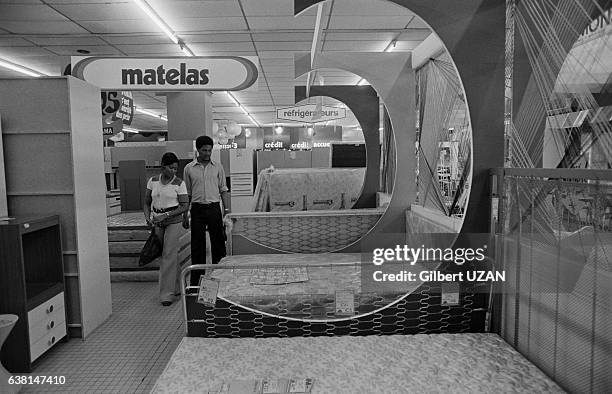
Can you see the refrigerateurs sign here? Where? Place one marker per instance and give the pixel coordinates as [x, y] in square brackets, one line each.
[168, 74]
[311, 113]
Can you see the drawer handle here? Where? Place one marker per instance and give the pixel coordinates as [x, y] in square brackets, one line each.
[52, 340]
[50, 325]
[50, 309]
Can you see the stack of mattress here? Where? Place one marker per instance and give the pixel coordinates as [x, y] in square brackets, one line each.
[300, 189]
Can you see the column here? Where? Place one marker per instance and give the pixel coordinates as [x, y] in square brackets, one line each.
[189, 115]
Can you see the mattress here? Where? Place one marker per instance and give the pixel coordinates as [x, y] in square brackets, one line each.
[300, 189]
[306, 284]
[438, 363]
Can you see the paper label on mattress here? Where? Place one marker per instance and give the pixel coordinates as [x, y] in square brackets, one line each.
[244, 387]
[279, 276]
[450, 294]
[207, 294]
[345, 303]
[274, 386]
[301, 385]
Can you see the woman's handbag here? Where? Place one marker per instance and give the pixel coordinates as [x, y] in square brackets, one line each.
[151, 250]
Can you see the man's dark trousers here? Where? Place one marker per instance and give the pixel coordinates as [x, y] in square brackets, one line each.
[203, 217]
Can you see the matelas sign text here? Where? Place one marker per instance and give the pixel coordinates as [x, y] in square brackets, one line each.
[168, 74]
[311, 113]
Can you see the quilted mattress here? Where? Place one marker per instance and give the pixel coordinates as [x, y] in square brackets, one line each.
[435, 363]
[298, 189]
[310, 285]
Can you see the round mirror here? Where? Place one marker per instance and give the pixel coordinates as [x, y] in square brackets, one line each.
[307, 249]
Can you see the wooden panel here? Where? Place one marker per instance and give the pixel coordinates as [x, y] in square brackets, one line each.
[132, 183]
[13, 299]
[45, 205]
[34, 105]
[43, 327]
[48, 341]
[47, 310]
[3, 203]
[73, 302]
[56, 173]
[90, 204]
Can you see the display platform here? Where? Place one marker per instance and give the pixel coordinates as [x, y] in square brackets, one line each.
[441, 363]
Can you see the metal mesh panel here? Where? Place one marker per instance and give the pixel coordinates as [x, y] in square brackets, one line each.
[306, 234]
[556, 247]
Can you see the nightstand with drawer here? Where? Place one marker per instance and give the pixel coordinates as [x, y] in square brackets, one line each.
[31, 287]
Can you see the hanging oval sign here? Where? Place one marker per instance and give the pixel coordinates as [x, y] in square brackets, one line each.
[168, 73]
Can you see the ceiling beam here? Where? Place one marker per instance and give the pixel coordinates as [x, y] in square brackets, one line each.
[317, 42]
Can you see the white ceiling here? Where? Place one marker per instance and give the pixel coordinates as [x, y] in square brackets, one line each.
[43, 34]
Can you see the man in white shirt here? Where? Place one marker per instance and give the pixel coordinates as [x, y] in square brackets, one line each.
[206, 187]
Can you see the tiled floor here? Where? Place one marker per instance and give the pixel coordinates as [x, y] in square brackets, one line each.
[126, 354]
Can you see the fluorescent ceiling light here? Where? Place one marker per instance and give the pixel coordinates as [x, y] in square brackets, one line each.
[186, 50]
[231, 96]
[144, 111]
[254, 121]
[391, 46]
[243, 109]
[158, 21]
[20, 69]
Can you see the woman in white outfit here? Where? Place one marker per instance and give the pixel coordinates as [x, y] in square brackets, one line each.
[165, 202]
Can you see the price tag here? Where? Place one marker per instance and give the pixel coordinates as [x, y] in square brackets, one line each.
[345, 303]
[301, 385]
[274, 386]
[450, 294]
[207, 294]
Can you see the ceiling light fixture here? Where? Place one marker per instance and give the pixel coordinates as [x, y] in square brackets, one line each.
[163, 26]
[243, 109]
[185, 49]
[21, 69]
[391, 46]
[153, 114]
[254, 121]
[231, 96]
[157, 20]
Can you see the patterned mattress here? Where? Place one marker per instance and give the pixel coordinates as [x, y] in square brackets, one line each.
[306, 291]
[300, 189]
[435, 363]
